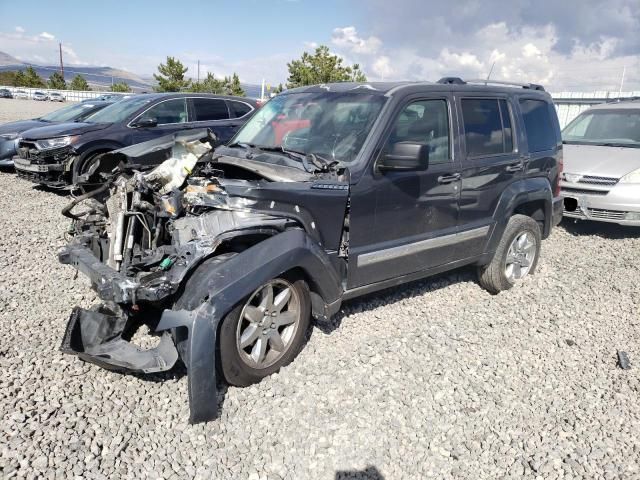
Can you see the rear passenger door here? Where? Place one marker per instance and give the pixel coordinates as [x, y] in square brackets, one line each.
[212, 113]
[491, 160]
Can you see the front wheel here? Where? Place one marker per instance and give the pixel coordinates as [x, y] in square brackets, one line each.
[266, 331]
[516, 256]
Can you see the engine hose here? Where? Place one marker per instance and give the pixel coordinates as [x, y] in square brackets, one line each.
[66, 211]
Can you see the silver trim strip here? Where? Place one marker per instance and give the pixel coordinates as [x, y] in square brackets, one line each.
[421, 246]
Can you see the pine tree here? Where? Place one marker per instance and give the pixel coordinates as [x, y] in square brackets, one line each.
[170, 76]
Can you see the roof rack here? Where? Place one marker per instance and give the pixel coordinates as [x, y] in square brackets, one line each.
[459, 81]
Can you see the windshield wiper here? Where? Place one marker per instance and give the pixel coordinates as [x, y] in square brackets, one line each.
[246, 146]
[311, 162]
[289, 153]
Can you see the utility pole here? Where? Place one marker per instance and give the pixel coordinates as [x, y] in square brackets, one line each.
[198, 71]
[61, 65]
[624, 70]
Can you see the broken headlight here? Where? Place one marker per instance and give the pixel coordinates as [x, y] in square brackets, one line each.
[58, 142]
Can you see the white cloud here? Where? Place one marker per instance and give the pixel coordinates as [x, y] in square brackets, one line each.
[530, 50]
[382, 67]
[347, 38]
[311, 45]
[41, 48]
[526, 54]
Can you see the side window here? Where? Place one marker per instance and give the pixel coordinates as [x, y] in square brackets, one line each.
[538, 125]
[210, 109]
[240, 109]
[426, 122]
[170, 111]
[487, 126]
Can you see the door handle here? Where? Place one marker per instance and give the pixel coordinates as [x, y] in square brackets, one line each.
[514, 167]
[449, 178]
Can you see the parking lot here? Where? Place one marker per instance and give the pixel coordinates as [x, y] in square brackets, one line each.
[435, 379]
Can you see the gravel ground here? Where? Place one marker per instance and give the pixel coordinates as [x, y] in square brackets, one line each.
[436, 379]
[16, 109]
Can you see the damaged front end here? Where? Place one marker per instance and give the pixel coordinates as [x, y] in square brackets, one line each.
[141, 245]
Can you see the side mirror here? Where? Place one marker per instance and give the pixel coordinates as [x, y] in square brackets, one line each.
[406, 156]
[145, 123]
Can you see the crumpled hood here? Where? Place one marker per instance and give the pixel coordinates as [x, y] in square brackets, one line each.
[63, 129]
[21, 126]
[600, 161]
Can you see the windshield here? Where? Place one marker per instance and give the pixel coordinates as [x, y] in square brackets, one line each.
[619, 127]
[67, 114]
[119, 111]
[331, 125]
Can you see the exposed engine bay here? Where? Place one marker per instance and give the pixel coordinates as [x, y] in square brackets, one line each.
[142, 234]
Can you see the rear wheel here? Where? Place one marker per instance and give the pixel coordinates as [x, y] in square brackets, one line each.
[516, 256]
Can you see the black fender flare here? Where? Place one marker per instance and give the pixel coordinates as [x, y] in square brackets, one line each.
[227, 284]
[516, 194]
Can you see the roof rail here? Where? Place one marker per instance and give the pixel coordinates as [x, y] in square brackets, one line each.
[459, 81]
[451, 81]
[530, 86]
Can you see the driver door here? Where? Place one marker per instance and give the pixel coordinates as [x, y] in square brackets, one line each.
[405, 221]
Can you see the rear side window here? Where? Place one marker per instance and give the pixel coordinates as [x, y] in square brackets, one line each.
[538, 125]
[487, 126]
[210, 109]
[240, 109]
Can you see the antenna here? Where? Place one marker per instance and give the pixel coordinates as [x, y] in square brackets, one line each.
[491, 71]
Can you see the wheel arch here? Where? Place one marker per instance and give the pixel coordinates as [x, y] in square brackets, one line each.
[532, 197]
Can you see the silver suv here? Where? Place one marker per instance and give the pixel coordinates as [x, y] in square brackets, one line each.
[601, 179]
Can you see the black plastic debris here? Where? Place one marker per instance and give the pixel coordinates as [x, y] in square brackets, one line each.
[623, 360]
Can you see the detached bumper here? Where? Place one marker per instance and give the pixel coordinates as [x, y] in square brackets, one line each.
[96, 337]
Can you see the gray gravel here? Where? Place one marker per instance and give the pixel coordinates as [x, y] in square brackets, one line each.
[16, 109]
[436, 379]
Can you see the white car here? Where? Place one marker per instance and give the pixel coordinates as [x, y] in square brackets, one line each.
[56, 97]
[40, 96]
[21, 94]
[601, 179]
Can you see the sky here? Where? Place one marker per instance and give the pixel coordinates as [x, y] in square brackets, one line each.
[566, 45]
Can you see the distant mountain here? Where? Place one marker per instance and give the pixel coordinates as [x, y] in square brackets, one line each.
[6, 59]
[100, 78]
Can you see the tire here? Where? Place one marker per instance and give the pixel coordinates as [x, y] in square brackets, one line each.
[512, 261]
[237, 367]
[86, 164]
